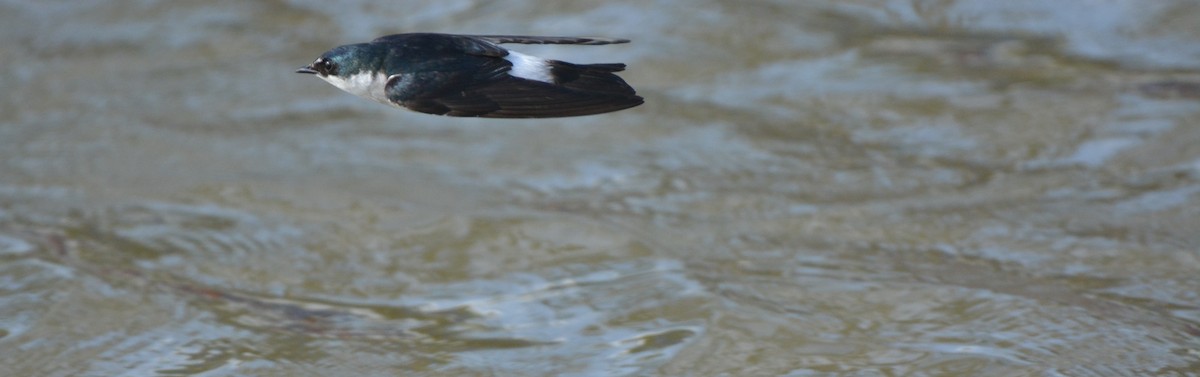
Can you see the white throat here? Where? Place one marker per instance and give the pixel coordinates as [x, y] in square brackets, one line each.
[364, 84]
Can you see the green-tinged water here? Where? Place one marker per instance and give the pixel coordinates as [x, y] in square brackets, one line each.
[813, 188]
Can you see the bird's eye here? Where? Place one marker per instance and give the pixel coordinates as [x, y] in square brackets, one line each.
[327, 67]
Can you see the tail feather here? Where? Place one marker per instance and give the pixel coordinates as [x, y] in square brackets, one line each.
[595, 78]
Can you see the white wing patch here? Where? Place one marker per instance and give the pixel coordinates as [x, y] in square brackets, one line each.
[529, 67]
[368, 85]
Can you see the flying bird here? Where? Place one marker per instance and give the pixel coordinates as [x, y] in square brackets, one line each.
[472, 76]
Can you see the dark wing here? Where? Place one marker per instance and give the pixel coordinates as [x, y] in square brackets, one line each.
[512, 97]
[478, 84]
[534, 40]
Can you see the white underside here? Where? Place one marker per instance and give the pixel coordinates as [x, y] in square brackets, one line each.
[365, 84]
[529, 67]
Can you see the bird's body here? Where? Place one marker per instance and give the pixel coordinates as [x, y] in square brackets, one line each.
[472, 76]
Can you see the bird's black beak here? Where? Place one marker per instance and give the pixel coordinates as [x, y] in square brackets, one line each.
[307, 69]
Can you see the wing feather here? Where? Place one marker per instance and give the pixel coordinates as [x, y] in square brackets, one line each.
[536, 40]
[479, 83]
[513, 97]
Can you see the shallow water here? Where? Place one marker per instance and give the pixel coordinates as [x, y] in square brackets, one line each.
[831, 188]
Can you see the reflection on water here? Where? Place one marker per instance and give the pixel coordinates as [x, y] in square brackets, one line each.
[827, 188]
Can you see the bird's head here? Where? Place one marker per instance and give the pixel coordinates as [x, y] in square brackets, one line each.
[342, 61]
[351, 68]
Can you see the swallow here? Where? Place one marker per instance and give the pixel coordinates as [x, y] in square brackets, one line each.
[472, 76]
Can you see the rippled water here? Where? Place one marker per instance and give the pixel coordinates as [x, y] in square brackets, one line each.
[812, 188]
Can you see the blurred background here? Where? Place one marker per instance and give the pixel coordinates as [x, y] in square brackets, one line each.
[813, 188]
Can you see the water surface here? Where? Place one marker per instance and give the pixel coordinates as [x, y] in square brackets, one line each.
[812, 188]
